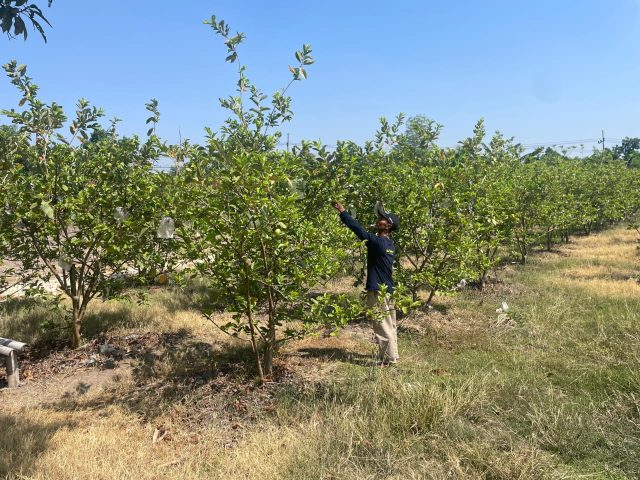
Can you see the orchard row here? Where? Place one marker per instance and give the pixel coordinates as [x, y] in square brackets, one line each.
[250, 229]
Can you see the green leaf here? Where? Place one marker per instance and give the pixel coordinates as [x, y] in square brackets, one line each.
[7, 21]
[19, 27]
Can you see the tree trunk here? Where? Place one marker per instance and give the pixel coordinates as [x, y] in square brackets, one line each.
[268, 359]
[75, 330]
[271, 343]
[431, 295]
[482, 280]
[254, 343]
[76, 313]
[252, 327]
[270, 346]
[522, 248]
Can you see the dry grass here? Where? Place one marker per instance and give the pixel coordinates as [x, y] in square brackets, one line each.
[606, 246]
[606, 287]
[554, 394]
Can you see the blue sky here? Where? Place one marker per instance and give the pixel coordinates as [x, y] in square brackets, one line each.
[541, 71]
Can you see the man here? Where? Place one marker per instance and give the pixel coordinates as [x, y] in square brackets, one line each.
[380, 254]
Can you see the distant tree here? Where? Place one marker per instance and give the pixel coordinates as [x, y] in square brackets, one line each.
[99, 134]
[546, 155]
[421, 133]
[629, 151]
[603, 156]
[13, 14]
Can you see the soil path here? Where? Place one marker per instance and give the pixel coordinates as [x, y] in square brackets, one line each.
[62, 386]
[48, 377]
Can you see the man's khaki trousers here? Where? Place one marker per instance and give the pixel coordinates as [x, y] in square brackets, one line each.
[383, 314]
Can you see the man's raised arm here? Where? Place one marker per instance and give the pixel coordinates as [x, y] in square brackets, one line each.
[352, 223]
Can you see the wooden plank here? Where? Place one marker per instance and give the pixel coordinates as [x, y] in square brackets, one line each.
[7, 342]
[13, 372]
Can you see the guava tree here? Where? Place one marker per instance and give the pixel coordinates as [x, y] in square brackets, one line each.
[243, 223]
[9, 148]
[629, 151]
[72, 210]
[436, 248]
[257, 251]
[433, 244]
[526, 194]
[157, 253]
[488, 195]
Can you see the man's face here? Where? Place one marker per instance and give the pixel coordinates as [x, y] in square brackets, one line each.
[383, 224]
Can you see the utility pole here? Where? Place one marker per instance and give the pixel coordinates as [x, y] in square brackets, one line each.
[287, 142]
[602, 141]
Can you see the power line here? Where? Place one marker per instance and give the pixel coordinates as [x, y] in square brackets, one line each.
[560, 142]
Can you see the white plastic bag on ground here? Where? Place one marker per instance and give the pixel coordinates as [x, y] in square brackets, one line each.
[503, 308]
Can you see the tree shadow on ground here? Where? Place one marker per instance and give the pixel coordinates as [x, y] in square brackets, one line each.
[22, 442]
[198, 377]
[338, 354]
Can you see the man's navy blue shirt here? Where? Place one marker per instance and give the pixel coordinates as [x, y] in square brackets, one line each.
[380, 252]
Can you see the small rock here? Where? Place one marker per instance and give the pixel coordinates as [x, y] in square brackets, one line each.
[109, 364]
[107, 350]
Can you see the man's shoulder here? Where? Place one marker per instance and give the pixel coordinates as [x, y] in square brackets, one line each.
[383, 242]
[388, 240]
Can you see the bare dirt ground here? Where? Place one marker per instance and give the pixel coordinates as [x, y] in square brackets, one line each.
[108, 362]
[50, 377]
[62, 386]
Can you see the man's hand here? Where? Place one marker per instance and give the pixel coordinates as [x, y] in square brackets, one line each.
[338, 206]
